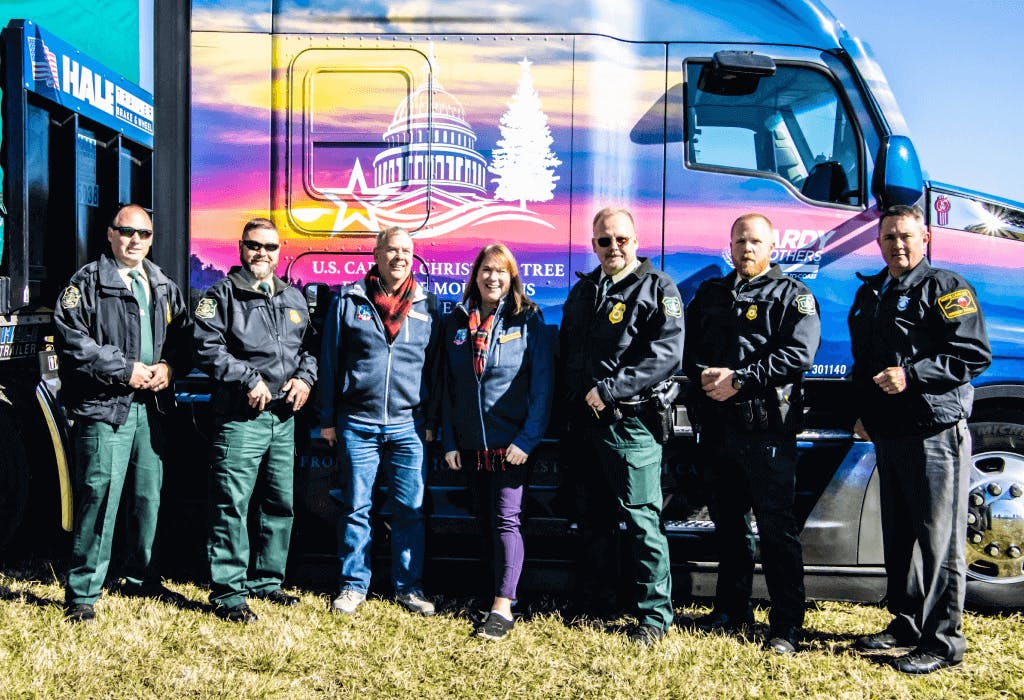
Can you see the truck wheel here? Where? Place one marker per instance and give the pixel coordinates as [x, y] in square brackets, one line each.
[14, 476]
[995, 520]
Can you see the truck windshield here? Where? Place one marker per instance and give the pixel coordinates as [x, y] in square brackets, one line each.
[793, 126]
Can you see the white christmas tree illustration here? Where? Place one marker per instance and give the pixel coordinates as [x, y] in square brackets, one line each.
[523, 163]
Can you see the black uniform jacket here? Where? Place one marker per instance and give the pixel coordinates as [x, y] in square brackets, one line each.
[243, 336]
[767, 331]
[626, 345]
[97, 339]
[929, 322]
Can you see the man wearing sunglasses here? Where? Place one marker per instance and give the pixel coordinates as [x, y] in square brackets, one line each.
[621, 343]
[250, 330]
[750, 336]
[123, 333]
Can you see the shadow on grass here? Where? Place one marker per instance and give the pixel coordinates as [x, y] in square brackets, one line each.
[28, 598]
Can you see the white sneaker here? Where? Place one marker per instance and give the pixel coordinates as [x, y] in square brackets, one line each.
[414, 602]
[347, 601]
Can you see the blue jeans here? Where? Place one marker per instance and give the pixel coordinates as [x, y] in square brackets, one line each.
[402, 457]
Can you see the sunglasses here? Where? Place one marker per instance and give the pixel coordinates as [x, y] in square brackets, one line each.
[605, 241]
[256, 245]
[128, 231]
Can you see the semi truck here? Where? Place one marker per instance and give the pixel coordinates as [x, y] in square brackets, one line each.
[467, 123]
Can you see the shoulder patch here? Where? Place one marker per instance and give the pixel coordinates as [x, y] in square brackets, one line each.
[206, 308]
[958, 303]
[71, 297]
[805, 304]
[673, 306]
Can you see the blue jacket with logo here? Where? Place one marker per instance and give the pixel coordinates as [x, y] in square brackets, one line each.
[365, 378]
[511, 402]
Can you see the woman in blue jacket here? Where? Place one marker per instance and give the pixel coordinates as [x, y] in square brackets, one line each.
[498, 383]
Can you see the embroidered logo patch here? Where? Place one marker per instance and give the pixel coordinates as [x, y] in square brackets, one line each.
[71, 298]
[206, 308]
[673, 307]
[958, 303]
[294, 316]
[751, 312]
[460, 336]
[363, 313]
[902, 303]
[617, 312]
[805, 304]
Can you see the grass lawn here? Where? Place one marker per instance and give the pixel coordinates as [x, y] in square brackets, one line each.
[145, 649]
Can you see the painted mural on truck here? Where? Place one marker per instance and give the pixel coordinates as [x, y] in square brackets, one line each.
[468, 139]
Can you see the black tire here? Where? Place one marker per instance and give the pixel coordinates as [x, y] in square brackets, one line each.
[14, 476]
[998, 458]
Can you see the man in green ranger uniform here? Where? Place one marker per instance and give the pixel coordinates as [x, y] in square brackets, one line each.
[249, 335]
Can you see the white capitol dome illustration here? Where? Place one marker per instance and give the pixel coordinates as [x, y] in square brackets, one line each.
[430, 142]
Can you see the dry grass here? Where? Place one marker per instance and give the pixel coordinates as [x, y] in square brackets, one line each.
[144, 649]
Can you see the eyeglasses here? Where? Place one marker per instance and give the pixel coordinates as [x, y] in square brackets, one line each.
[605, 241]
[128, 231]
[256, 245]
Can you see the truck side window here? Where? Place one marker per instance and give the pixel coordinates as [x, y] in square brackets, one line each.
[794, 126]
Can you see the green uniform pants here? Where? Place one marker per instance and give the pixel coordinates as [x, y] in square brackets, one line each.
[252, 463]
[107, 457]
[630, 461]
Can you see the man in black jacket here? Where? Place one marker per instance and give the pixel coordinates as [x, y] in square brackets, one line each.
[249, 333]
[750, 336]
[622, 340]
[122, 334]
[918, 340]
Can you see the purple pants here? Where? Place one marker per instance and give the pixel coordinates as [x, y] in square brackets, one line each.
[499, 500]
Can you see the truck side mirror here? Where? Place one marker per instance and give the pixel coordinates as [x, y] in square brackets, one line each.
[734, 73]
[897, 178]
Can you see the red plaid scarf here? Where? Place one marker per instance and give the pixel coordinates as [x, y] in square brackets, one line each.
[492, 460]
[481, 333]
[392, 308]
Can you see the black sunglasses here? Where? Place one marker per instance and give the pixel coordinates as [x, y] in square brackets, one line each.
[256, 245]
[128, 231]
[605, 241]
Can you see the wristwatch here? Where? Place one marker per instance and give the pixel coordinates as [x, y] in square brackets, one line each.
[738, 381]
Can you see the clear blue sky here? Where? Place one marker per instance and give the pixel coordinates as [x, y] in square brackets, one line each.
[957, 70]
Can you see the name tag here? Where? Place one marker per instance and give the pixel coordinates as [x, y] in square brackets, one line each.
[418, 316]
[510, 336]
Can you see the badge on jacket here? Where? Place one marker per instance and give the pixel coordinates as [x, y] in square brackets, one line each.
[902, 303]
[460, 336]
[167, 306]
[206, 308]
[751, 312]
[363, 313]
[71, 297]
[958, 303]
[617, 312]
[294, 316]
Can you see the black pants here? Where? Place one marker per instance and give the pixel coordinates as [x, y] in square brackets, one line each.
[755, 471]
[924, 482]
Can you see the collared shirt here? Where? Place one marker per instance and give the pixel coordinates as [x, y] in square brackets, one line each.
[253, 283]
[740, 281]
[621, 274]
[123, 270]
